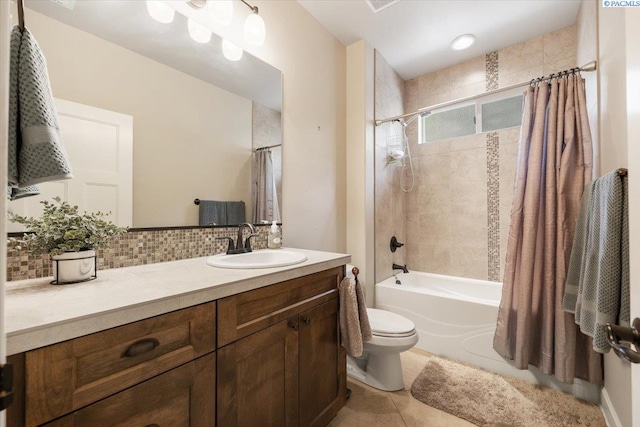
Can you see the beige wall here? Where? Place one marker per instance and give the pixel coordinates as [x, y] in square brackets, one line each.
[191, 139]
[389, 198]
[612, 69]
[314, 87]
[360, 162]
[452, 227]
[587, 51]
[632, 27]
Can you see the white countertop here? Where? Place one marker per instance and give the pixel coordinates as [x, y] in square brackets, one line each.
[40, 314]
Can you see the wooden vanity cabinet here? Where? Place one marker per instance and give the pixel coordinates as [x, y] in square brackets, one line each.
[184, 396]
[62, 378]
[266, 357]
[284, 365]
[322, 365]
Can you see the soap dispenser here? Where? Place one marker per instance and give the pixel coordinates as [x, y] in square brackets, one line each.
[275, 237]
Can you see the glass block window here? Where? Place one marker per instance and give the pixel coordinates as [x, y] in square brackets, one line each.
[486, 114]
[502, 114]
[451, 123]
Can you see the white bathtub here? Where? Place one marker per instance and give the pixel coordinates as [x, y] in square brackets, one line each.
[456, 318]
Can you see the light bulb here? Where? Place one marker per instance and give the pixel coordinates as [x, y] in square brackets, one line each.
[254, 30]
[160, 11]
[198, 32]
[221, 11]
[231, 51]
[463, 42]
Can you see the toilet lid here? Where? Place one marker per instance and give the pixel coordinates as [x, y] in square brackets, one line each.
[388, 324]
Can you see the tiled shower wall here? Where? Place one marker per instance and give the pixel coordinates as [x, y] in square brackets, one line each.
[138, 248]
[389, 199]
[457, 216]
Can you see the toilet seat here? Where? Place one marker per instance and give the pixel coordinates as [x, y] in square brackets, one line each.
[391, 325]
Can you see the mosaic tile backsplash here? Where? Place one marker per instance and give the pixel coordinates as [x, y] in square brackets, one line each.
[139, 248]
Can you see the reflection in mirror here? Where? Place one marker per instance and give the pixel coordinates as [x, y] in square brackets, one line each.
[152, 119]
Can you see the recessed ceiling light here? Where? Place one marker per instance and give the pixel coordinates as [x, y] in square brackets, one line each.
[463, 42]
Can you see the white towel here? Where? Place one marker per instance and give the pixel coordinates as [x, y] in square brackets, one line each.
[354, 321]
[597, 287]
[36, 153]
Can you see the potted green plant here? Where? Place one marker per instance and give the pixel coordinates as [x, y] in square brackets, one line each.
[69, 237]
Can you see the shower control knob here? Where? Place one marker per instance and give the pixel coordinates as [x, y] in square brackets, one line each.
[394, 244]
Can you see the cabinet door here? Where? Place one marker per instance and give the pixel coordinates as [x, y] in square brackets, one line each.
[258, 378]
[322, 365]
[184, 396]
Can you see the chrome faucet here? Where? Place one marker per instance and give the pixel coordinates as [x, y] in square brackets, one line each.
[400, 267]
[239, 248]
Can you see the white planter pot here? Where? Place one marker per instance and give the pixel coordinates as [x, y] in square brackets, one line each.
[73, 267]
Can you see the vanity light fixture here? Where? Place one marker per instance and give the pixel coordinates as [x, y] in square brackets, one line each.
[463, 42]
[254, 28]
[231, 51]
[221, 11]
[198, 32]
[160, 11]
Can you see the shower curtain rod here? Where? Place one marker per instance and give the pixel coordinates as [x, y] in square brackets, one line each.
[267, 147]
[591, 66]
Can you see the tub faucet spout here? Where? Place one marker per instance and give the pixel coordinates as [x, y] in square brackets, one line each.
[400, 267]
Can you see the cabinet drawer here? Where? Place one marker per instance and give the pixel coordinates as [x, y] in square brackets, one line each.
[184, 396]
[243, 314]
[67, 376]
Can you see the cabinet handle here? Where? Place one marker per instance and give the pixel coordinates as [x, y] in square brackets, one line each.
[293, 325]
[152, 425]
[139, 347]
[306, 320]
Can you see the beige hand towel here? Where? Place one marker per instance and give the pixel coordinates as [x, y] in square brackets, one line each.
[354, 321]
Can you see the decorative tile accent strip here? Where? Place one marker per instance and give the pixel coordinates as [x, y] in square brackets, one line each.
[138, 248]
[493, 179]
[492, 70]
[493, 205]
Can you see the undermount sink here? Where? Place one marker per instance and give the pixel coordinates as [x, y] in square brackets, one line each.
[266, 258]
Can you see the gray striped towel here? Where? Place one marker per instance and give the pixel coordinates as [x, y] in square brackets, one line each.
[597, 287]
[36, 152]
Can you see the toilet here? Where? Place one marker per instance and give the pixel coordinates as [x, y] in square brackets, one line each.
[380, 365]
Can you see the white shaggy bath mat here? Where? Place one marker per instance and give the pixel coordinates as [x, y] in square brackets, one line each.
[488, 399]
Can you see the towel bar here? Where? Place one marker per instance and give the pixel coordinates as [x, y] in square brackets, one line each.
[617, 333]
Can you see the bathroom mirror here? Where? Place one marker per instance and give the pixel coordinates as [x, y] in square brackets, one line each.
[196, 118]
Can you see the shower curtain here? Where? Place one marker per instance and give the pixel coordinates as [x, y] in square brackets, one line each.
[265, 196]
[554, 165]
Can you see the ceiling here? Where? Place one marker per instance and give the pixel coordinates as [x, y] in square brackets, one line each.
[127, 24]
[414, 36]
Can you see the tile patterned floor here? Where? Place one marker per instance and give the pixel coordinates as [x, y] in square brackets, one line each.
[369, 407]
